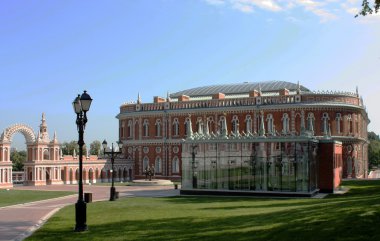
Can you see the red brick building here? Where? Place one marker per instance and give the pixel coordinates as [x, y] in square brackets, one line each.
[153, 133]
[45, 164]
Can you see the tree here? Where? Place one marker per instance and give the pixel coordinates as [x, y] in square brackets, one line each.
[372, 136]
[18, 158]
[95, 147]
[373, 149]
[367, 9]
[69, 147]
[374, 153]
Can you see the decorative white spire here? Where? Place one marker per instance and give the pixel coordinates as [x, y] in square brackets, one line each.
[357, 91]
[224, 127]
[74, 153]
[138, 98]
[262, 126]
[260, 92]
[189, 129]
[329, 133]
[311, 126]
[168, 97]
[206, 130]
[55, 139]
[200, 129]
[44, 135]
[303, 123]
[39, 136]
[298, 88]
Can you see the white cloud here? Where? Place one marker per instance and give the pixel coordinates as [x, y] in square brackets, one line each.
[317, 9]
[243, 7]
[324, 15]
[215, 2]
[266, 4]
[249, 5]
[326, 10]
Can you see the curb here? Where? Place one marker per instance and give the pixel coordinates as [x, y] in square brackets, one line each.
[38, 225]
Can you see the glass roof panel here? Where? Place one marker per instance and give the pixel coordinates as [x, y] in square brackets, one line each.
[239, 88]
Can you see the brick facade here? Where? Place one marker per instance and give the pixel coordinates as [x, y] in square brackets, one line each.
[161, 125]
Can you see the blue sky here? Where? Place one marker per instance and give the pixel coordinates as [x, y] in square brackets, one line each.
[52, 50]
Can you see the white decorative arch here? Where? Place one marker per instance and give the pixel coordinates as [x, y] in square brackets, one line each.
[27, 131]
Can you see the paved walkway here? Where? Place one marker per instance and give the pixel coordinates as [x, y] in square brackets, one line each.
[19, 221]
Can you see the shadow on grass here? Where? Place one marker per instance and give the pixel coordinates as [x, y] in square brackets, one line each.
[353, 216]
[322, 223]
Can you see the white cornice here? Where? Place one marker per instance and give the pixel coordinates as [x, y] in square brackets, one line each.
[281, 107]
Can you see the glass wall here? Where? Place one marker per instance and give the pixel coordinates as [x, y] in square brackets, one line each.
[283, 166]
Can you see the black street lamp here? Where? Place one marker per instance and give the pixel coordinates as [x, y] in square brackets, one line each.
[112, 154]
[81, 105]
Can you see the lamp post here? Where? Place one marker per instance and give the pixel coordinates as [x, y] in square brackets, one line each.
[112, 154]
[81, 105]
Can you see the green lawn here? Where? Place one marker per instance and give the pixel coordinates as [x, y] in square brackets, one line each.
[11, 196]
[352, 216]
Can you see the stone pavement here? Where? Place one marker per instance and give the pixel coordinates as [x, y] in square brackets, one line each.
[19, 221]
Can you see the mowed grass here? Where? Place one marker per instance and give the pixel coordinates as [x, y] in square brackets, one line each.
[11, 196]
[352, 216]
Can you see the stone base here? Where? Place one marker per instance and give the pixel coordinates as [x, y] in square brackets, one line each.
[56, 182]
[6, 185]
[153, 182]
[246, 193]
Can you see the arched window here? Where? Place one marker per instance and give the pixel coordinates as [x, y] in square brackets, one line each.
[270, 125]
[349, 122]
[158, 165]
[122, 129]
[46, 154]
[325, 123]
[248, 124]
[285, 123]
[223, 126]
[146, 127]
[175, 163]
[145, 162]
[158, 127]
[338, 120]
[175, 127]
[130, 123]
[210, 124]
[187, 122]
[235, 124]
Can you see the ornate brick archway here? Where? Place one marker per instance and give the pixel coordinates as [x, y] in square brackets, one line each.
[26, 130]
[5, 147]
[45, 164]
[39, 148]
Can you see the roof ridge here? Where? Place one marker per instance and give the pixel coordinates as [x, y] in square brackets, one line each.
[235, 88]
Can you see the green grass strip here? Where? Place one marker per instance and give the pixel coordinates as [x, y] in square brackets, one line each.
[12, 196]
[351, 216]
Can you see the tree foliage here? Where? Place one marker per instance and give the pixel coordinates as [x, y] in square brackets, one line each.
[368, 9]
[69, 147]
[373, 149]
[18, 158]
[95, 147]
[372, 136]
